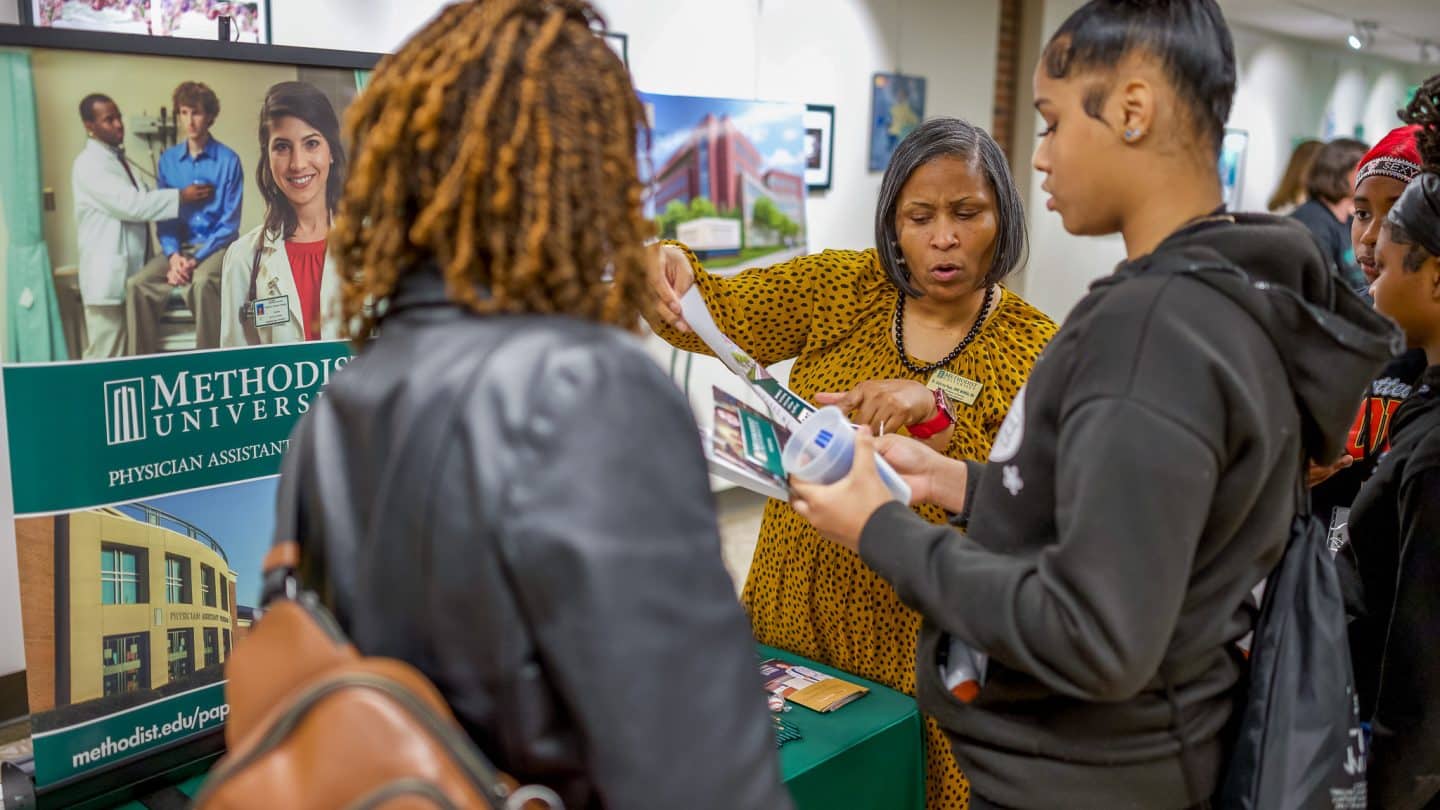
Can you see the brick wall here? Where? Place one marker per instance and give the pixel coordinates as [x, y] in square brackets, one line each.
[1007, 73]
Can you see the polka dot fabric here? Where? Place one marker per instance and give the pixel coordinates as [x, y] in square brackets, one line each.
[832, 312]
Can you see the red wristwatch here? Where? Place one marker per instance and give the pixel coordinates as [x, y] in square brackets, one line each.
[942, 419]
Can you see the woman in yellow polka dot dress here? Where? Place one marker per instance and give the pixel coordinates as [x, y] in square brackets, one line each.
[869, 330]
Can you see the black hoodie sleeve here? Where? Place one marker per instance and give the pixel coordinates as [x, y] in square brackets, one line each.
[1405, 769]
[1091, 616]
[1124, 443]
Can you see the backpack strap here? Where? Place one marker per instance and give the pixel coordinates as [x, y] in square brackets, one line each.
[278, 572]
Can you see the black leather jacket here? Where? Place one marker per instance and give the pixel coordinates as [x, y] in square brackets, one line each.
[519, 507]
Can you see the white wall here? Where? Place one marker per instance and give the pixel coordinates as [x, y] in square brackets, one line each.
[1287, 89]
[818, 51]
[1291, 89]
[1061, 266]
[815, 51]
[10, 10]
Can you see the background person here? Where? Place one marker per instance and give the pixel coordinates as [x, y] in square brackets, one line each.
[1395, 522]
[1146, 479]
[1330, 186]
[1290, 191]
[192, 246]
[1380, 179]
[557, 572]
[874, 332]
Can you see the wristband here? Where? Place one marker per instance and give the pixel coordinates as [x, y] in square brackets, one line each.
[936, 424]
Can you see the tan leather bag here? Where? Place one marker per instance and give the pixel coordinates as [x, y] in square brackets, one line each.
[314, 724]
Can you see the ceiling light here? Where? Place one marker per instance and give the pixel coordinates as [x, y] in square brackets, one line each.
[1364, 35]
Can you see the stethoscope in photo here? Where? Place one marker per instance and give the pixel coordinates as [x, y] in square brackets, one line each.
[247, 309]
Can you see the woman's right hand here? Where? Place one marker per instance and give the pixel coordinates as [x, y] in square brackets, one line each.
[670, 276]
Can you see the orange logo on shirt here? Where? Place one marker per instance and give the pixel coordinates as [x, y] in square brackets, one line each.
[1375, 414]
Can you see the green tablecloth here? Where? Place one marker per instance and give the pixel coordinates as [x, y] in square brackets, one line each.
[868, 755]
[189, 787]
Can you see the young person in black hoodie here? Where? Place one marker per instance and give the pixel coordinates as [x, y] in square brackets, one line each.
[1146, 478]
[1395, 522]
[1380, 179]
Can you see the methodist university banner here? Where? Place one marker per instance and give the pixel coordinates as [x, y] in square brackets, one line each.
[157, 424]
[166, 323]
[144, 491]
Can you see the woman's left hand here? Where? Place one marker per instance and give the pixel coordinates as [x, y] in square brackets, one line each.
[841, 510]
[884, 405]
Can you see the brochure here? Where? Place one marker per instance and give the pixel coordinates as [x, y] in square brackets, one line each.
[808, 687]
[744, 447]
[785, 407]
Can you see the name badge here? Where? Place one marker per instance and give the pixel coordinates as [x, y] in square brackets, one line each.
[272, 311]
[957, 388]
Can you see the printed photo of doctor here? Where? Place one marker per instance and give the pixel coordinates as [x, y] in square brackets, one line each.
[113, 209]
[192, 246]
[279, 283]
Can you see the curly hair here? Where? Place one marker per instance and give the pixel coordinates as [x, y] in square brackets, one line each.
[499, 145]
[197, 96]
[1423, 111]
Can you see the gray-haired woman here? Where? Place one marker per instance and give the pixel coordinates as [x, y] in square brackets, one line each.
[918, 334]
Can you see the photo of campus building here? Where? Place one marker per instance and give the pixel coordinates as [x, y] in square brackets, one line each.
[729, 177]
[120, 600]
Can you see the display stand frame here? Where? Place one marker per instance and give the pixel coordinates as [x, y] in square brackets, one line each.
[156, 769]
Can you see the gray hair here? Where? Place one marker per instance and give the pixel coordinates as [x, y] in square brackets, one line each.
[950, 137]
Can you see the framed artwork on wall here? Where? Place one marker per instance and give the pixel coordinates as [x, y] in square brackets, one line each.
[115, 16]
[620, 44]
[819, 124]
[249, 21]
[897, 106]
[192, 19]
[726, 177]
[1232, 166]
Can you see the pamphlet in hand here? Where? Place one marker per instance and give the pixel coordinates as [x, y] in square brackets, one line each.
[808, 687]
[744, 447]
[785, 407]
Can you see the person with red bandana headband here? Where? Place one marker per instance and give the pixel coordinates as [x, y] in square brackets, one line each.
[1380, 179]
[1395, 522]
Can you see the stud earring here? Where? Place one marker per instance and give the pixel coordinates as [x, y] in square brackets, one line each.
[1132, 134]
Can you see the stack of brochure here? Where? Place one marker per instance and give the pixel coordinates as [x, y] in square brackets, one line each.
[808, 687]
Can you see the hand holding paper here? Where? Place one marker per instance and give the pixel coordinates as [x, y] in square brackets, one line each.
[670, 277]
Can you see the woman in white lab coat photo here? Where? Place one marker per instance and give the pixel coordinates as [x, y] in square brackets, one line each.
[279, 283]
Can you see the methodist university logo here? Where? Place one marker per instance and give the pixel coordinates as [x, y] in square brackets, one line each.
[124, 411]
[146, 426]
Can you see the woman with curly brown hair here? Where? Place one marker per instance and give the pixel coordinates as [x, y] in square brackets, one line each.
[468, 494]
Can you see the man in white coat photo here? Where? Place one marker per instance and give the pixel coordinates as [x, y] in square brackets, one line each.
[113, 209]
